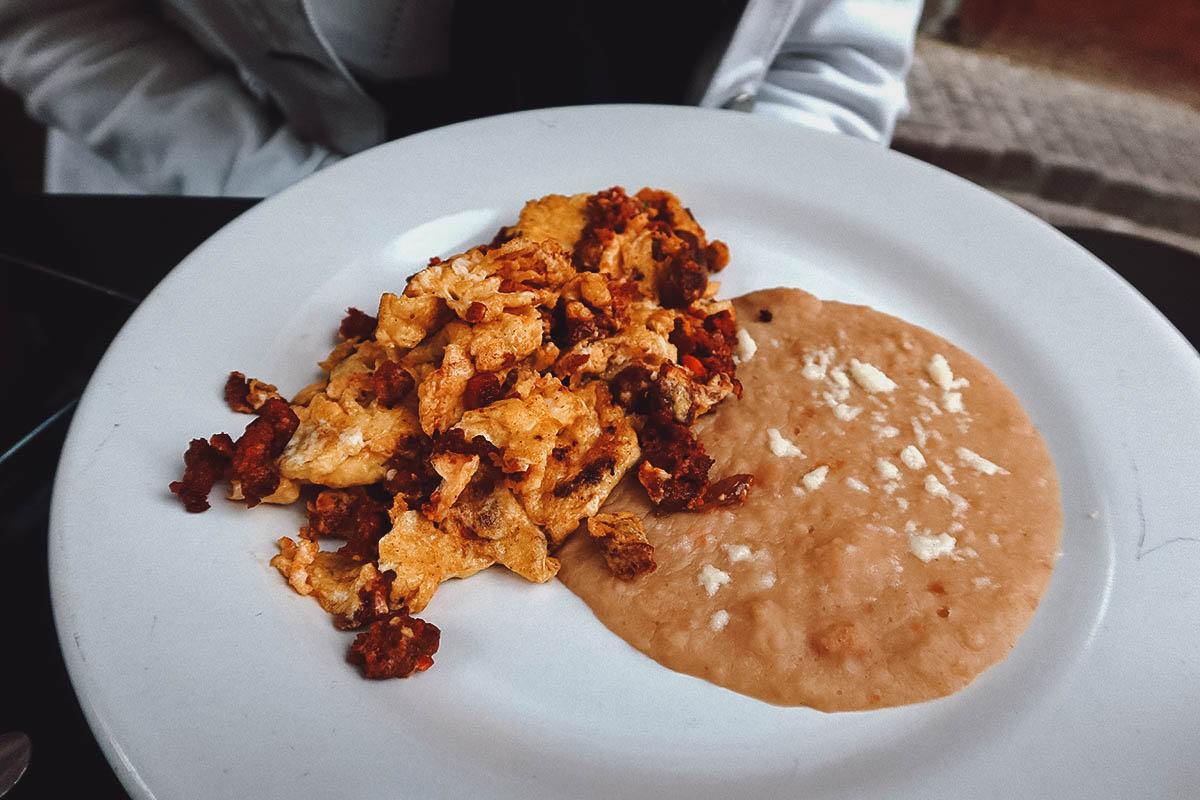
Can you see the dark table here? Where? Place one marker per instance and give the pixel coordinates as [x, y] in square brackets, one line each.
[72, 269]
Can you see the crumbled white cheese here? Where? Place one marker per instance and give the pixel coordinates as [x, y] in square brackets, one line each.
[936, 487]
[947, 470]
[838, 376]
[870, 377]
[942, 375]
[816, 363]
[918, 431]
[982, 582]
[939, 370]
[719, 620]
[781, 447]
[979, 463]
[813, 480]
[846, 413]
[737, 552]
[887, 470]
[888, 432]
[857, 485]
[927, 548]
[925, 402]
[767, 580]
[912, 457]
[833, 398]
[797, 491]
[459, 266]
[712, 579]
[900, 501]
[746, 346]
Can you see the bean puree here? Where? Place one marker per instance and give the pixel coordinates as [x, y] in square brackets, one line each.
[901, 530]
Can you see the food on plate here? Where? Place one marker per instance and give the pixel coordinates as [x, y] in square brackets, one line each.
[488, 409]
[808, 502]
[903, 525]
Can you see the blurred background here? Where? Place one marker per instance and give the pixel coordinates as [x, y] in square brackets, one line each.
[1087, 114]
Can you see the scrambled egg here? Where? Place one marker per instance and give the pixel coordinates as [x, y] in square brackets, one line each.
[499, 399]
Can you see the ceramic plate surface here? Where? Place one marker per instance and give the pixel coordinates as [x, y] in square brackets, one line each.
[203, 675]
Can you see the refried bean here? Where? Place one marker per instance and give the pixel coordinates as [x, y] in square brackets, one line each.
[902, 527]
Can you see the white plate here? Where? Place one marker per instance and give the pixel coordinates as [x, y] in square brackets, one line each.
[204, 676]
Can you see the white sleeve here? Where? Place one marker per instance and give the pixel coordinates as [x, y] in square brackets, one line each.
[115, 77]
[842, 67]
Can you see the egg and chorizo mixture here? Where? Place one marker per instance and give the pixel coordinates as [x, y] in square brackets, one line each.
[488, 410]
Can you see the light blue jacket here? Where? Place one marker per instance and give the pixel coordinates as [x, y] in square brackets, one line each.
[244, 97]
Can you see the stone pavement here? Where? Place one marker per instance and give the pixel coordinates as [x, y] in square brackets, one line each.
[1072, 151]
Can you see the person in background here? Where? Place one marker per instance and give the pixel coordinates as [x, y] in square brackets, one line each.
[213, 97]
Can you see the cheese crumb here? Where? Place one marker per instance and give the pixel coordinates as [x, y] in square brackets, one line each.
[918, 431]
[939, 370]
[887, 470]
[781, 447]
[870, 377]
[815, 364]
[746, 346]
[845, 412]
[813, 480]
[767, 580]
[912, 457]
[925, 402]
[888, 432]
[712, 579]
[737, 552]
[942, 375]
[982, 582]
[936, 487]
[719, 620]
[838, 376]
[927, 548]
[797, 491]
[857, 485]
[979, 463]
